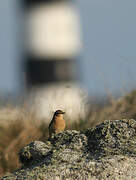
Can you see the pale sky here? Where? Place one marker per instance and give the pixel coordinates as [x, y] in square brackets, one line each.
[108, 60]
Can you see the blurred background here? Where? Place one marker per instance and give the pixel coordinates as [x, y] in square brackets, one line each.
[78, 56]
[107, 60]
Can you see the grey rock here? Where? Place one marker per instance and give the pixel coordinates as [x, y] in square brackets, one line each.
[107, 151]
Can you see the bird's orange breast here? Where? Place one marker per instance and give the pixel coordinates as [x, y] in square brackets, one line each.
[59, 124]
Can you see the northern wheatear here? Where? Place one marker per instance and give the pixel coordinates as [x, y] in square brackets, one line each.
[57, 123]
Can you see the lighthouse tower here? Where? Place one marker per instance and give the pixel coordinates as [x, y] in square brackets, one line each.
[51, 47]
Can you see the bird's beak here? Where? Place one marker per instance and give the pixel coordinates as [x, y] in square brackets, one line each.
[63, 112]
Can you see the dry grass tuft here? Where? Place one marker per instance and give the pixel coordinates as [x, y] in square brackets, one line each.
[122, 108]
[14, 136]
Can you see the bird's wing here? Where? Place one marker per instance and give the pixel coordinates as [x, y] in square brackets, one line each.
[51, 123]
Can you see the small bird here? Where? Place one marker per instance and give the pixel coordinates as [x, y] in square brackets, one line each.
[57, 123]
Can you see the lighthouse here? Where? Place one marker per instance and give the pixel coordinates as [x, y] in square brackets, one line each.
[51, 48]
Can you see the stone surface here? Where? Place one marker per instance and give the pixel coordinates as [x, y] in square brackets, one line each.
[107, 151]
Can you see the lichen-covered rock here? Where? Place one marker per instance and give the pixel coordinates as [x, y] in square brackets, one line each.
[34, 153]
[107, 151]
[113, 138]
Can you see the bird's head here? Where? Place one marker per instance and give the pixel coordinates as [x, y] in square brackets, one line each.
[59, 113]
